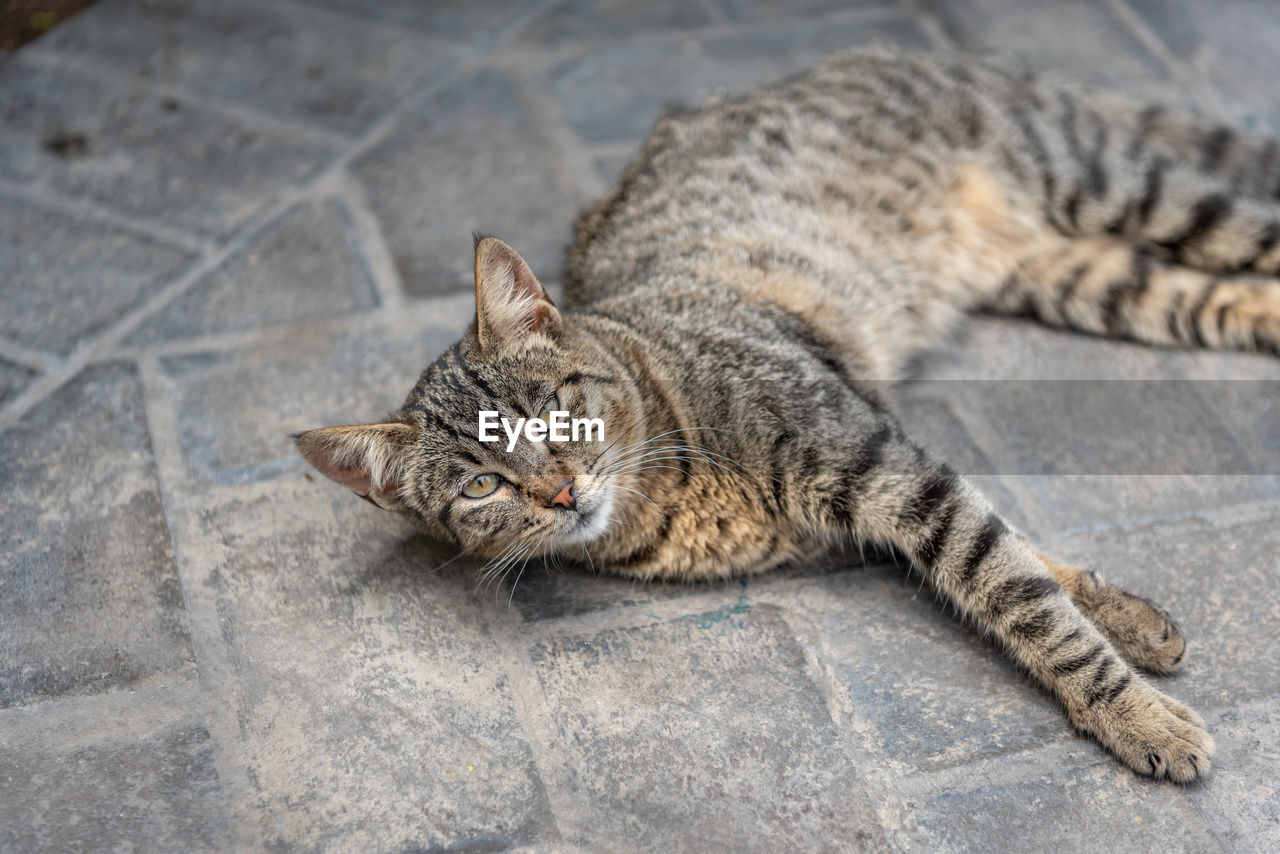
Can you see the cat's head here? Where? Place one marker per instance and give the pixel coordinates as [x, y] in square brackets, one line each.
[521, 359]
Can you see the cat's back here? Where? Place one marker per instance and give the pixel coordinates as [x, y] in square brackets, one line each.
[833, 163]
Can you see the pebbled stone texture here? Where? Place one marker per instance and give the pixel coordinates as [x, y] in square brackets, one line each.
[91, 601]
[722, 748]
[158, 791]
[329, 73]
[66, 279]
[306, 266]
[376, 708]
[134, 151]
[1230, 44]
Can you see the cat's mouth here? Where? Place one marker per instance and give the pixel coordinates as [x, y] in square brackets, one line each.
[590, 522]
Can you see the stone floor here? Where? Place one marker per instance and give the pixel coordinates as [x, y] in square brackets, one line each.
[222, 222]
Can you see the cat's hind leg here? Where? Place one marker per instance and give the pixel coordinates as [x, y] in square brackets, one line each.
[1108, 286]
[1139, 629]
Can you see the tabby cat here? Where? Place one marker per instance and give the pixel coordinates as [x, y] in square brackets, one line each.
[766, 262]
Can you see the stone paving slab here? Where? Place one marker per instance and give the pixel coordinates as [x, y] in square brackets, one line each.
[158, 792]
[884, 634]
[306, 266]
[1241, 809]
[329, 73]
[114, 142]
[725, 748]
[374, 712]
[224, 222]
[1230, 43]
[1091, 807]
[49, 256]
[89, 598]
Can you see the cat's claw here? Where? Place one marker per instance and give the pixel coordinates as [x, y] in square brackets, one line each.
[1153, 734]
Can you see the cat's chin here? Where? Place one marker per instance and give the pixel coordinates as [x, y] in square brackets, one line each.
[590, 523]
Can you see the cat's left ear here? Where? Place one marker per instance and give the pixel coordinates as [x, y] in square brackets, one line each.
[370, 460]
[510, 301]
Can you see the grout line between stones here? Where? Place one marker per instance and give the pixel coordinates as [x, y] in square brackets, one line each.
[23, 356]
[85, 209]
[215, 672]
[371, 244]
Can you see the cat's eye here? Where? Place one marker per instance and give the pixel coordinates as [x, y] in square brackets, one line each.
[481, 485]
[552, 403]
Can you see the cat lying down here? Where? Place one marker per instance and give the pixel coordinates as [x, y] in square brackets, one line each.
[764, 265]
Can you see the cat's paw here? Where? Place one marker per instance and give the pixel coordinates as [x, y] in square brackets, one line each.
[1152, 734]
[1142, 631]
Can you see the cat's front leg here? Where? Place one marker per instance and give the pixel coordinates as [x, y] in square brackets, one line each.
[896, 493]
[1140, 630]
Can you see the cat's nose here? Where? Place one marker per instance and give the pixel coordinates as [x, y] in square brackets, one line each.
[565, 497]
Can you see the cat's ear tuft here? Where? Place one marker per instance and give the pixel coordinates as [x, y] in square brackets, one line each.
[510, 302]
[370, 460]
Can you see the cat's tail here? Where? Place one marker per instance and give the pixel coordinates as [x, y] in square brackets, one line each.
[1107, 286]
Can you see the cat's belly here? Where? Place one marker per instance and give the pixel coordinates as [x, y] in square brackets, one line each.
[706, 537]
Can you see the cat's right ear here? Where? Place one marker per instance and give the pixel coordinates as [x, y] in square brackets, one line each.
[370, 460]
[510, 301]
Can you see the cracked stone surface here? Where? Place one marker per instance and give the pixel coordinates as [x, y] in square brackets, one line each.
[225, 222]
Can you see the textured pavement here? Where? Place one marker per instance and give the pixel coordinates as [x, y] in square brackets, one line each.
[222, 222]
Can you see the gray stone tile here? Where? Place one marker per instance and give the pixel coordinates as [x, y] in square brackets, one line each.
[236, 409]
[1240, 800]
[131, 150]
[1067, 415]
[923, 689]
[772, 10]
[1082, 40]
[158, 793]
[614, 94]
[1243, 390]
[597, 21]
[724, 745]
[91, 600]
[305, 266]
[376, 709]
[472, 158]
[13, 379]
[550, 592]
[327, 70]
[1218, 580]
[997, 349]
[66, 279]
[467, 22]
[1233, 43]
[1069, 808]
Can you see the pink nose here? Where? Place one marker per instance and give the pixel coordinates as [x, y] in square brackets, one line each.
[565, 497]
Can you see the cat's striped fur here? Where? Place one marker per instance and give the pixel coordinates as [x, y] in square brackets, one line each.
[765, 261]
